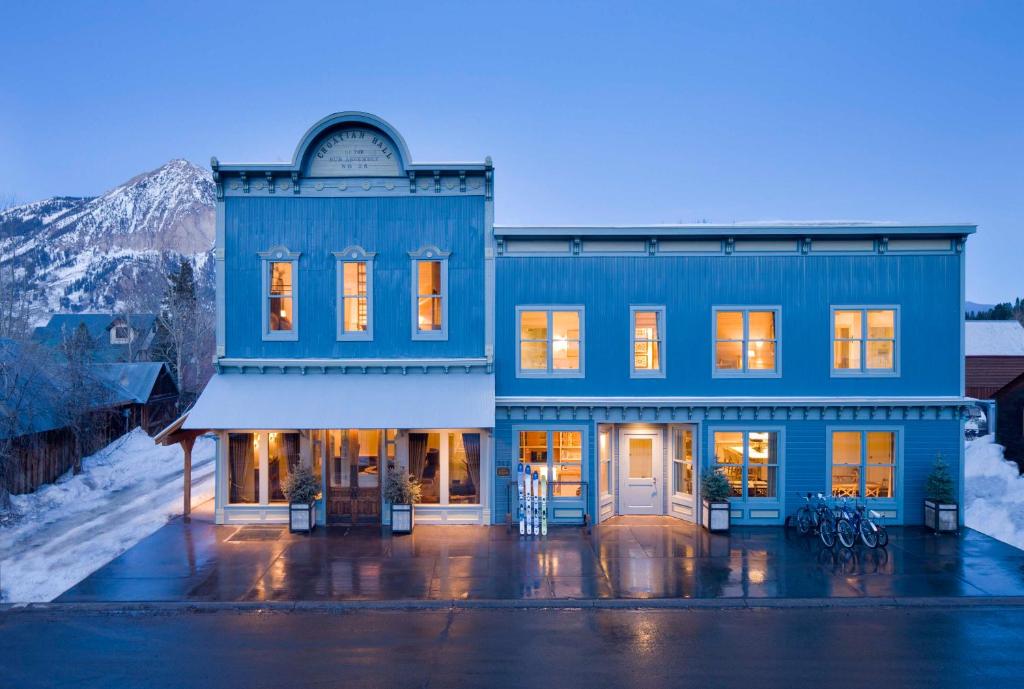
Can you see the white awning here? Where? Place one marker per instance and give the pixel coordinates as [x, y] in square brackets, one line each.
[254, 401]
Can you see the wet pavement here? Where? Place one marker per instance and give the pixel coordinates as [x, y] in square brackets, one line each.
[834, 647]
[627, 557]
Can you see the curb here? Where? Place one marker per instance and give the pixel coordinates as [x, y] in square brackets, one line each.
[342, 606]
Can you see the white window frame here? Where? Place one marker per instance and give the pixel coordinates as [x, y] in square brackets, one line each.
[353, 254]
[746, 372]
[894, 372]
[888, 504]
[549, 432]
[677, 449]
[780, 464]
[550, 371]
[114, 338]
[660, 339]
[429, 253]
[606, 465]
[278, 254]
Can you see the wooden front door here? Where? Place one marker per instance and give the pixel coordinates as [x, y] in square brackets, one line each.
[353, 492]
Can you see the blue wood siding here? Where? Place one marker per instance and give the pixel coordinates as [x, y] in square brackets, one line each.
[804, 466]
[506, 454]
[926, 288]
[388, 226]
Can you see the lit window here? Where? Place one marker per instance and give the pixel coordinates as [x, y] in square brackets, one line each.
[604, 455]
[429, 294]
[280, 294]
[750, 462]
[745, 341]
[550, 341]
[355, 294]
[282, 460]
[682, 461]
[558, 455]
[647, 336]
[447, 466]
[243, 468]
[863, 464]
[864, 340]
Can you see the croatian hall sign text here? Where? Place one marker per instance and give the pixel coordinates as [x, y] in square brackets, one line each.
[354, 152]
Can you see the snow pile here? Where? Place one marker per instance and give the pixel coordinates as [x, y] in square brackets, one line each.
[71, 528]
[993, 492]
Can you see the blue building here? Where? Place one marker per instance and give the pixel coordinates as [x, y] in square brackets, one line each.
[370, 311]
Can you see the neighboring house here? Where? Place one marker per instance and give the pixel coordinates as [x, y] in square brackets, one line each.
[146, 392]
[117, 337]
[32, 424]
[370, 311]
[995, 355]
[1010, 419]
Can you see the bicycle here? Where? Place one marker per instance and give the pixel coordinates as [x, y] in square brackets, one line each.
[852, 523]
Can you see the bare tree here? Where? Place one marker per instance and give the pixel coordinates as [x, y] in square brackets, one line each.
[17, 299]
[83, 394]
[186, 333]
[140, 295]
[27, 397]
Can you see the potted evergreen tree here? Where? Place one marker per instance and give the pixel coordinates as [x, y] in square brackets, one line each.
[402, 492]
[714, 492]
[301, 489]
[941, 512]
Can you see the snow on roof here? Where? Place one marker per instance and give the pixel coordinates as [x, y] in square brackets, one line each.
[994, 338]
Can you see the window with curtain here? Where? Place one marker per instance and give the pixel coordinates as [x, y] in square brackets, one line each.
[750, 462]
[282, 459]
[746, 341]
[464, 468]
[425, 465]
[243, 468]
[863, 340]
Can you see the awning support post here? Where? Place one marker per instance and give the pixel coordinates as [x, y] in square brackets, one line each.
[186, 446]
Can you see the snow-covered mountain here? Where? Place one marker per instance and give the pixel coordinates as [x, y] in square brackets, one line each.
[99, 253]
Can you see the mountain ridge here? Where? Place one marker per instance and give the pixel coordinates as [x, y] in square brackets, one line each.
[111, 251]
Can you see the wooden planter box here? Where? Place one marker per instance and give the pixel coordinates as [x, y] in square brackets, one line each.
[401, 519]
[715, 516]
[301, 517]
[942, 517]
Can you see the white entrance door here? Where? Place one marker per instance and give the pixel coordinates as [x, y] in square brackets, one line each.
[639, 472]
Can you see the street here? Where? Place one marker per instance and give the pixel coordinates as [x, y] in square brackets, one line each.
[834, 647]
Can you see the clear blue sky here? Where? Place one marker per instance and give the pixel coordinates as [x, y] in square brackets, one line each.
[593, 112]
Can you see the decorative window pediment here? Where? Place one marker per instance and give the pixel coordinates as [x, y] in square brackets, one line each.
[429, 251]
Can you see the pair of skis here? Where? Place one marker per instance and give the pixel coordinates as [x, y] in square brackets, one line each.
[533, 501]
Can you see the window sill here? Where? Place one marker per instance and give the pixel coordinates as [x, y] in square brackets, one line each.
[550, 374]
[355, 337]
[843, 373]
[644, 374]
[435, 336]
[291, 336]
[745, 374]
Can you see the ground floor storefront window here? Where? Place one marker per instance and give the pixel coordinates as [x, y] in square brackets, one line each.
[243, 468]
[557, 455]
[259, 462]
[750, 462]
[447, 464]
[863, 464]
